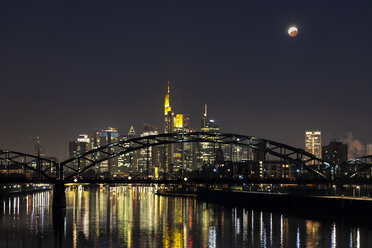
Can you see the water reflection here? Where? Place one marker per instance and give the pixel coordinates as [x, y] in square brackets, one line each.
[136, 217]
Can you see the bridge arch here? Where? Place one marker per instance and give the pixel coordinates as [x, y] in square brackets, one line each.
[285, 152]
[18, 161]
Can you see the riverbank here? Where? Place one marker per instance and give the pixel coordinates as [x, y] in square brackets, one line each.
[319, 206]
[11, 190]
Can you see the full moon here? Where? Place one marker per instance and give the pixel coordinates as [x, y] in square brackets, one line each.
[292, 31]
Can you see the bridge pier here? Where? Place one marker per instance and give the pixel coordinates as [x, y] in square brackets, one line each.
[59, 195]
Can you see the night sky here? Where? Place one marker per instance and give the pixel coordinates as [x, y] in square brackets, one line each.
[71, 67]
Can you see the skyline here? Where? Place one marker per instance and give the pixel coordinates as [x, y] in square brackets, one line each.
[355, 146]
[74, 68]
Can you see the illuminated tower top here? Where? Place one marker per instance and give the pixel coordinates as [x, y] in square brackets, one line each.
[167, 107]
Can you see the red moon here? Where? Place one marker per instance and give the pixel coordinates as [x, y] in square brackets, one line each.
[292, 31]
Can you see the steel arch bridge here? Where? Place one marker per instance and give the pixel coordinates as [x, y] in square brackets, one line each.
[34, 167]
[51, 171]
[286, 153]
[357, 167]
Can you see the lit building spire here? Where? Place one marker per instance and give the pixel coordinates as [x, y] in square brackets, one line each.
[205, 110]
[167, 106]
[131, 132]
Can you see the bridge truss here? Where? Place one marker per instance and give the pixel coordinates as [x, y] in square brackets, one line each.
[32, 167]
[287, 154]
[26, 166]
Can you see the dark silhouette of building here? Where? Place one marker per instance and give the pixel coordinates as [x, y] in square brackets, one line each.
[335, 152]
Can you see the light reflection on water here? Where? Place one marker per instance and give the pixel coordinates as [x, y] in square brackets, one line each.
[136, 217]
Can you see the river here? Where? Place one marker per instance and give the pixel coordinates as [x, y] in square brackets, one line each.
[136, 217]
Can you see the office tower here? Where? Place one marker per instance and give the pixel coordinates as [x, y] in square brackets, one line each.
[126, 160]
[369, 149]
[39, 148]
[102, 138]
[313, 143]
[177, 156]
[77, 147]
[207, 151]
[146, 156]
[335, 152]
[182, 153]
[168, 128]
[168, 114]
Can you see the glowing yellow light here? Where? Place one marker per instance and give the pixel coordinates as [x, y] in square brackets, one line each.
[167, 107]
[156, 172]
[178, 121]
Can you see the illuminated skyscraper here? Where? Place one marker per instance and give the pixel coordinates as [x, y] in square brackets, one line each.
[313, 143]
[79, 146]
[126, 160]
[147, 157]
[168, 114]
[207, 151]
[177, 156]
[168, 128]
[102, 138]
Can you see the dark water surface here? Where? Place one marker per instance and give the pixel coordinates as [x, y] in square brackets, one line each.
[136, 217]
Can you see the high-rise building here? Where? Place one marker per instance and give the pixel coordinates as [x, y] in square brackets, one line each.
[168, 128]
[39, 148]
[126, 160]
[77, 147]
[335, 152]
[103, 138]
[168, 114]
[182, 153]
[207, 151]
[369, 149]
[147, 157]
[178, 156]
[313, 143]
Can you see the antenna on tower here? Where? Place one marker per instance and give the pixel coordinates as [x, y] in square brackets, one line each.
[205, 110]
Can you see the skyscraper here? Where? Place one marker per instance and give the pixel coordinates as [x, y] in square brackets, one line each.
[147, 157]
[39, 148]
[168, 114]
[168, 128]
[177, 156]
[313, 143]
[126, 160]
[207, 151]
[77, 147]
[103, 138]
